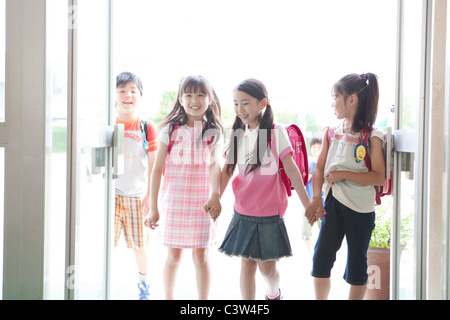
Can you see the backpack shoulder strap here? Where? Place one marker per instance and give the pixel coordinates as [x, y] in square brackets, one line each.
[330, 134]
[273, 149]
[271, 134]
[172, 129]
[366, 134]
[144, 128]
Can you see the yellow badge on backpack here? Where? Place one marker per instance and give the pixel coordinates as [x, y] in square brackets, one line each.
[360, 152]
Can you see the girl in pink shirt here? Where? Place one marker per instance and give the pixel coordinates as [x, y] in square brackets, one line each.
[257, 232]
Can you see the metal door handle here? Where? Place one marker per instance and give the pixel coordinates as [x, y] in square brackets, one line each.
[389, 151]
[118, 151]
[405, 142]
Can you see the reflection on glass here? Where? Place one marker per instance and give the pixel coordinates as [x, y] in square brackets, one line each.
[56, 150]
[92, 110]
[89, 269]
[294, 47]
[409, 110]
[407, 249]
[299, 60]
[411, 60]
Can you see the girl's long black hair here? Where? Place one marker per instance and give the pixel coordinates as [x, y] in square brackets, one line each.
[366, 88]
[256, 89]
[213, 115]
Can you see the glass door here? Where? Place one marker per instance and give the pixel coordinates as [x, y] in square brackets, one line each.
[298, 49]
[408, 221]
[91, 135]
[3, 133]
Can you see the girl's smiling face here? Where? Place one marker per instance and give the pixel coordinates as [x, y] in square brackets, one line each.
[195, 105]
[248, 108]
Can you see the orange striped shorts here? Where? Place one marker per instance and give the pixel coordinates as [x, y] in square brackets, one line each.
[128, 217]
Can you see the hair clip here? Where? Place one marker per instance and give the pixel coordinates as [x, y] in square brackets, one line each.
[181, 81]
[364, 77]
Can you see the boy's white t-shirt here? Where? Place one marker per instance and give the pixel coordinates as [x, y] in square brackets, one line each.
[134, 181]
[357, 197]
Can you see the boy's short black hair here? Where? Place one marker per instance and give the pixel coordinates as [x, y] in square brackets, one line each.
[316, 139]
[125, 77]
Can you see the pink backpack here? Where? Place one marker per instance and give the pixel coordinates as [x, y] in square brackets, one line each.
[300, 157]
[380, 191]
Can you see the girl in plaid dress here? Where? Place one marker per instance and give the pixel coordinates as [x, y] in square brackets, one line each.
[190, 143]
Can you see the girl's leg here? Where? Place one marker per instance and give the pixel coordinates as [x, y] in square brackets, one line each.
[247, 280]
[202, 272]
[271, 275]
[322, 288]
[328, 243]
[357, 292]
[170, 271]
[359, 228]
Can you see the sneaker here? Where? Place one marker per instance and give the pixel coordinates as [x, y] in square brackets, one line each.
[143, 290]
[277, 296]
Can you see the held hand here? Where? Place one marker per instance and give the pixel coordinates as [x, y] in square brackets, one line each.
[315, 211]
[151, 220]
[320, 213]
[213, 207]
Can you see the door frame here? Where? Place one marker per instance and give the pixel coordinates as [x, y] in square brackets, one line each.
[404, 144]
[25, 129]
[446, 213]
[74, 141]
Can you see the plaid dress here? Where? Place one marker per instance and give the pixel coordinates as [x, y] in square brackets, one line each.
[184, 191]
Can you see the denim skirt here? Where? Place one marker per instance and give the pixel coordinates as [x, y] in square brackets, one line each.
[256, 238]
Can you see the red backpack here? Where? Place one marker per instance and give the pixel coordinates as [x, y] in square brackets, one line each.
[300, 157]
[385, 189]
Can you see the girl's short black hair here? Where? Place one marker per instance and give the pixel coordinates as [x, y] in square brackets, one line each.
[125, 77]
[316, 139]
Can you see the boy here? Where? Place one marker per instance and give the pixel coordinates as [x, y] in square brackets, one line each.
[133, 187]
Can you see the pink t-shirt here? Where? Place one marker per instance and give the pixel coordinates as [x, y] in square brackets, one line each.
[261, 193]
